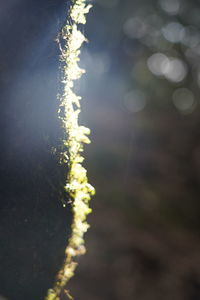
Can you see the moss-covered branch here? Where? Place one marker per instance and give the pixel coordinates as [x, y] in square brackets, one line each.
[75, 136]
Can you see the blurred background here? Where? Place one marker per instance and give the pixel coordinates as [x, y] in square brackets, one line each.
[141, 101]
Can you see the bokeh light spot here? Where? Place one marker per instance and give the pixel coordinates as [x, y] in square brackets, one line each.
[192, 37]
[173, 32]
[156, 63]
[172, 7]
[184, 100]
[135, 101]
[174, 69]
[135, 28]
[171, 68]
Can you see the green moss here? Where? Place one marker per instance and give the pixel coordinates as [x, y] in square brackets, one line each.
[77, 186]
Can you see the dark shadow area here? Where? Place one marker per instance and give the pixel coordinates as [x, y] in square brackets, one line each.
[33, 224]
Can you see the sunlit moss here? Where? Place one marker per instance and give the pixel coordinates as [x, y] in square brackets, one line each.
[77, 186]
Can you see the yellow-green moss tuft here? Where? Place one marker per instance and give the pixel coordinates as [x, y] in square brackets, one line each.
[77, 186]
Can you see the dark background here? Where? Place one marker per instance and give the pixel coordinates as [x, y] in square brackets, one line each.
[33, 225]
[141, 100]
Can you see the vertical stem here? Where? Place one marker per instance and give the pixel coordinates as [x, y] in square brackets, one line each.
[75, 136]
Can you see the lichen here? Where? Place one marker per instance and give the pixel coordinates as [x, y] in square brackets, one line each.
[77, 186]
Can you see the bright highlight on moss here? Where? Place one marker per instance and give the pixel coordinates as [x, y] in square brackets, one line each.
[77, 186]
